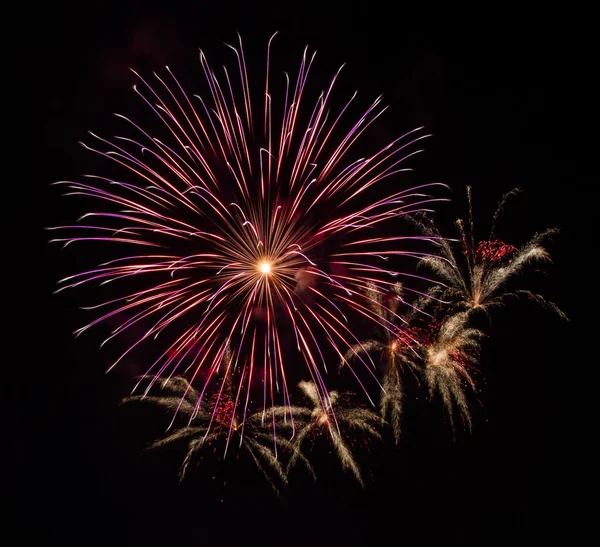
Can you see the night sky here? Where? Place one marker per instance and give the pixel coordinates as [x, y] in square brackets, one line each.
[498, 98]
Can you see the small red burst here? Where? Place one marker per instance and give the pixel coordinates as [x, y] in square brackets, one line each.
[494, 251]
[460, 357]
[463, 357]
[223, 409]
[415, 335]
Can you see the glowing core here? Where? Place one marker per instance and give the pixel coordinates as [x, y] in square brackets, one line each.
[265, 267]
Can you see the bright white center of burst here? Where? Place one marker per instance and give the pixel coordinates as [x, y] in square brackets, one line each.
[265, 267]
[439, 357]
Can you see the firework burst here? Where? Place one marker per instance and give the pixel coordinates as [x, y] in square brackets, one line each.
[477, 280]
[246, 226]
[341, 422]
[450, 357]
[395, 346]
[202, 424]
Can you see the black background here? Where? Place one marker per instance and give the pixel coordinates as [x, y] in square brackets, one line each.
[499, 95]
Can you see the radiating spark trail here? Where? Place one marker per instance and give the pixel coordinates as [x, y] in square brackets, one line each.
[242, 219]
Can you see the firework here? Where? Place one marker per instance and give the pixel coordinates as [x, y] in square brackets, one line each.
[393, 342]
[247, 224]
[338, 420]
[431, 342]
[449, 359]
[477, 280]
[201, 424]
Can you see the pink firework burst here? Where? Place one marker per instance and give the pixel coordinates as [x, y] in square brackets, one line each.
[245, 230]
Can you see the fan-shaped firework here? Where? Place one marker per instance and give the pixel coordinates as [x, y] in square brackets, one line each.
[339, 421]
[215, 421]
[478, 279]
[394, 346]
[246, 226]
[449, 356]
